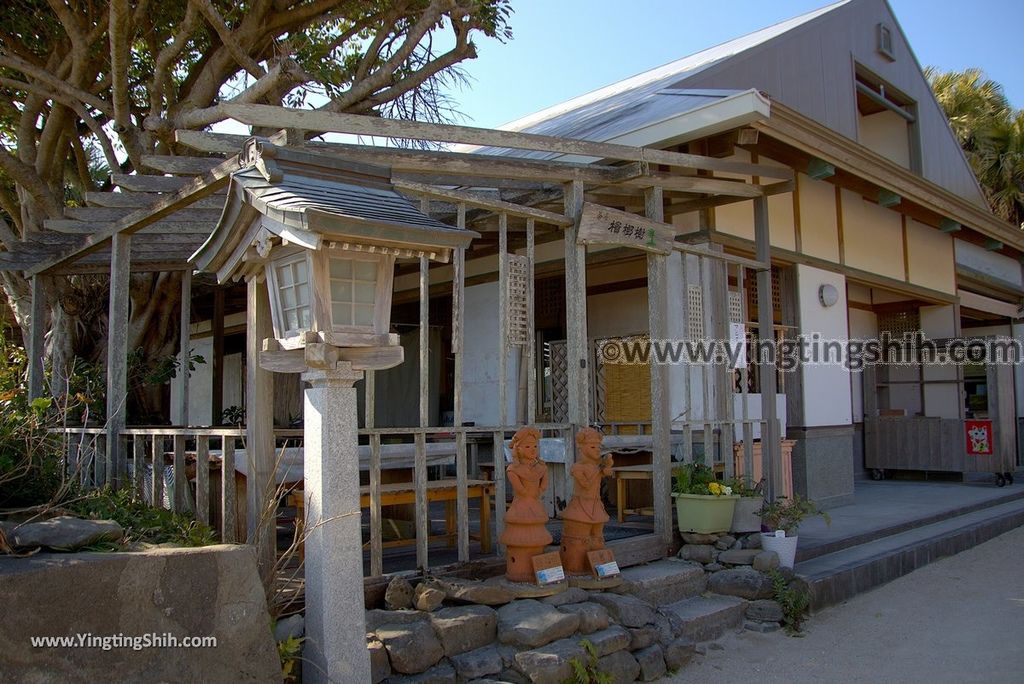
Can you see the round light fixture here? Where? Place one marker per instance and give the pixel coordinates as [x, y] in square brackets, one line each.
[828, 295]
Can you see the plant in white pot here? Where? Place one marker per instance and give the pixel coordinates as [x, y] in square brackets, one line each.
[779, 522]
[703, 504]
[746, 517]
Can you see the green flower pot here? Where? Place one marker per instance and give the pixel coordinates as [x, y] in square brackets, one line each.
[704, 513]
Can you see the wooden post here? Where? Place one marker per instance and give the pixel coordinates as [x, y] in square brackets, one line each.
[770, 438]
[36, 340]
[578, 371]
[422, 510]
[184, 342]
[531, 328]
[502, 321]
[217, 393]
[259, 431]
[117, 356]
[461, 474]
[661, 420]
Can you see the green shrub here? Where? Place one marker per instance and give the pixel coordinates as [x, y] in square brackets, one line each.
[795, 602]
[141, 522]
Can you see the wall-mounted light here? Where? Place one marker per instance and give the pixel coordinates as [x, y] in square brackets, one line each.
[828, 295]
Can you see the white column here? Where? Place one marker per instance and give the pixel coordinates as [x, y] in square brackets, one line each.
[335, 623]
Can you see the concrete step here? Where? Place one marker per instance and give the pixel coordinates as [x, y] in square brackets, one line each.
[664, 581]
[838, 576]
[808, 551]
[705, 618]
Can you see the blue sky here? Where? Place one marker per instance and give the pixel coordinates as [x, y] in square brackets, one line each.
[564, 48]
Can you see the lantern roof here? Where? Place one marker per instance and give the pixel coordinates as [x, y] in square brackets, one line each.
[314, 201]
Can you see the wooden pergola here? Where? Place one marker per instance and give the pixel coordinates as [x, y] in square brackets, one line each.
[156, 222]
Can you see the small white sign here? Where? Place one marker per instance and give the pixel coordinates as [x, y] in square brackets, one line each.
[737, 345]
[550, 575]
[607, 569]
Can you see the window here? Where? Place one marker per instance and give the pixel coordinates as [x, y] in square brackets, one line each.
[353, 291]
[887, 121]
[292, 275]
[884, 45]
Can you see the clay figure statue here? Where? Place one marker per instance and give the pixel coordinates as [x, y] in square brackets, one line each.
[584, 518]
[525, 535]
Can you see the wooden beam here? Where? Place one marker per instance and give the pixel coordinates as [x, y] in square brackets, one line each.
[200, 187]
[948, 225]
[184, 350]
[73, 227]
[322, 121]
[888, 199]
[820, 170]
[150, 184]
[217, 328]
[259, 432]
[475, 200]
[697, 184]
[189, 166]
[37, 338]
[211, 215]
[117, 357]
[138, 200]
[576, 314]
[721, 200]
[771, 446]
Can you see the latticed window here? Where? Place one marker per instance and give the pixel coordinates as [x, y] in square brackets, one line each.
[293, 284]
[353, 291]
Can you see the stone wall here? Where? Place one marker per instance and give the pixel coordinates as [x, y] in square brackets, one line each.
[210, 591]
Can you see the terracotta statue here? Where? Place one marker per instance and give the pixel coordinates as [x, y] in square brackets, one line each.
[584, 517]
[525, 535]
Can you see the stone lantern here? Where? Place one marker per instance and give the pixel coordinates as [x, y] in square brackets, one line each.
[324, 235]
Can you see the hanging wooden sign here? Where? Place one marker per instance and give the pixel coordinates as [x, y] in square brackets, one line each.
[603, 226]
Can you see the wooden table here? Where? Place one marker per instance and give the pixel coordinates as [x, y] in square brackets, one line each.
[399, 493]
[630, 472]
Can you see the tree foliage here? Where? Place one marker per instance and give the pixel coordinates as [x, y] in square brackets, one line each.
[91, 87]
[991, 133]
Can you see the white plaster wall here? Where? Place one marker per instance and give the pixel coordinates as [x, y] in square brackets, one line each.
[980, 259]
[886, 133]
[826, 388]
[480, 359]
[1018, 371]
[863, 326]
[614, 314]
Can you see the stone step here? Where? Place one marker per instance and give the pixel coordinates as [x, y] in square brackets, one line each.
[706, 618]
[664, 581]
[838, 576]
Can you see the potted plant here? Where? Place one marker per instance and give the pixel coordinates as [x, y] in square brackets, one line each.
[746, 517]
[779, 522]
[703, 504]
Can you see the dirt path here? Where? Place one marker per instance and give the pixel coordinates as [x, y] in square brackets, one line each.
[960, 619]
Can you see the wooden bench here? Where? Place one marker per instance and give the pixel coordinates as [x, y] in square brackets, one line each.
[399, 493]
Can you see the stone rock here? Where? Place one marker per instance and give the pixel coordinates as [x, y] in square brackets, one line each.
[651, 661]
[530, 623]
[399, 594]
[469, 591]
[742, 582]
[511, 676]
[715, 646]
[210, 590]
[642, 637]
[725, 542]
[375, 617]
[752, 541]
[713, 567]
[628, 611]
[610, 640]
[507, 653]
[570, 595]
[428, 599]
[442, 673]
[762, 627]
[764, 610]
[737, 545]
[664, 581]
[679, 653]
[701, 553]
[765, 561]
[592, 615]
[788, 574]
[664, 626]
[412, 648]
[621, 665]
[695, 538]
[380, 667]
[550, 664]
[291, 626]
[479, 663]
[464, 628]
[66, 533]
[740, 557]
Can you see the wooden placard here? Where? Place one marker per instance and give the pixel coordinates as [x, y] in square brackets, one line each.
[548, 568]
[603, 226]
[603, 563]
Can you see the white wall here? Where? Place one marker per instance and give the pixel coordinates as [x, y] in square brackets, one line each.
[614, 314]
[991, 263]
[480, 359]
[863, 326]
[940, 400]
[826, 388]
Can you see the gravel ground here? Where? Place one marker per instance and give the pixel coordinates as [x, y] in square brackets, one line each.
[960, 619]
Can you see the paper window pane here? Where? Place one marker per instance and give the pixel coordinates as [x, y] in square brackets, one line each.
[302, 295]
[363, 314]
[292, 320]
[288, 297]
[300, 271]
[341, 291]
[341, 314]
[341, 268]
[364, 292]
[284, 276]
[366, 270]
[304, 316]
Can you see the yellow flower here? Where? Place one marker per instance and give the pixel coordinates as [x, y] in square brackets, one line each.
[715, 488]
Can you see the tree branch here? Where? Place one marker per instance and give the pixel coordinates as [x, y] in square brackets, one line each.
[38, 74]
[25, 176]
[228, 38]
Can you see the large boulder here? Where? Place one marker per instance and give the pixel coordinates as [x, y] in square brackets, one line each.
[464, 628]
[399, 594]
[550, 664]
[593, 616]
[471, 591]
[479, 663]
[213, 591]
[412, 647]
[529, 624]
[621, 666]
[628, 611]
[651, 661]
[742, 582]
[65, 533]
